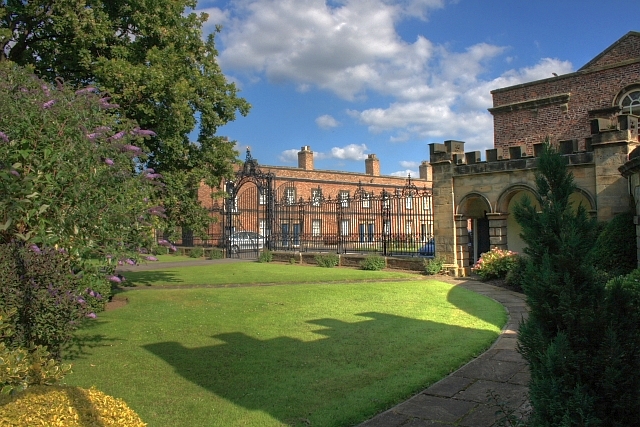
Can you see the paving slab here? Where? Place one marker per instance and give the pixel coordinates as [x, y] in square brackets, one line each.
[483, 391]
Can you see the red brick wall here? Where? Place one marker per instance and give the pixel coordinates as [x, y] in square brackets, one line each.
[592, 88]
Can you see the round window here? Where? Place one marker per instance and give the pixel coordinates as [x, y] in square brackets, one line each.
[630, 102]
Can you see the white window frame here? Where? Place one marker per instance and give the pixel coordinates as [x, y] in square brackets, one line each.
[316, 227]
[290, 195]
[344, 198]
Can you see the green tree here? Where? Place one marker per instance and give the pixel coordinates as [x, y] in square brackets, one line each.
[150, 58]
[573, 338]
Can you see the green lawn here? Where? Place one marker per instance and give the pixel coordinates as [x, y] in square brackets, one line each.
[320, 355]
[256, 273]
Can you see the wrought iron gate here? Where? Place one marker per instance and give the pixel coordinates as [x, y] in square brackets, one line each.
[258, 216]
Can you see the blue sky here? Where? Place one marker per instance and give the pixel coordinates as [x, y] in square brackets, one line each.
[356, 77]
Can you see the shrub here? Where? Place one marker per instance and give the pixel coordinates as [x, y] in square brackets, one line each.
[495, 264]
[433, 266]
[21, 368]
[196, 253]
[68, 406]
[216, 254]
[265, 256]
[292, 260]
[327, 260]
[159, 250]
[373, 262]
[517, 273]
[614, 251]
[50, 300]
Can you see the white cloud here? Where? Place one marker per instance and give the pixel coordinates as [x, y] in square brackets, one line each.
[409, 165]
[350, 152]
[355, 152]
[405, 173]
[289, 156]
[352, 49]
[327, 122]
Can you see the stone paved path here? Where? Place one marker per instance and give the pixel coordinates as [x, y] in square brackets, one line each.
[482, 391]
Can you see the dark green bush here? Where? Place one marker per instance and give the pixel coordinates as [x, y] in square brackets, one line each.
[160, 250]
[373, 262]
[216, 253]
[327, 260]
[433, 265]
[614, 251]
[196, 253]
[517, 273]
[50, 299]
[265, 256]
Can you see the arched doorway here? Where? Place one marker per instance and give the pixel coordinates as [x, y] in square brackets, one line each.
[474, 207]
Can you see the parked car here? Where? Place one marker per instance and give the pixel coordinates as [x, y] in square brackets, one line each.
[245, 241]
[428, 249]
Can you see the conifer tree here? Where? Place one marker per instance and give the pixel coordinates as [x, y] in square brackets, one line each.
[582, 337]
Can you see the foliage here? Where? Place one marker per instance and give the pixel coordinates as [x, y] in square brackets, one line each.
[495, 264]
[216, 253]
[292, 260]
[265, 256]
[20, 367]
[70, 172]
[327, 260]
[584, 368]
[373, 262]
[196, 253]
[614, 251]
[517, 271]
[68, 406]
[433, 266]
[49, 299]
[151, 59]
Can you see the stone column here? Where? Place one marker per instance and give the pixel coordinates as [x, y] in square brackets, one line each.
[498, 230]
[444, 228]
[462, 246]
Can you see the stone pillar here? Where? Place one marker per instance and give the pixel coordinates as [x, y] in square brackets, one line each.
[610, 151]
[444, 227]
[305, 158]
[498, 230]
[462, 246]
[372, 165]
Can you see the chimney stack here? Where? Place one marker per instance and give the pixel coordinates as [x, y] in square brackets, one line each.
[305, 158]
[372, 165]
[426, 171]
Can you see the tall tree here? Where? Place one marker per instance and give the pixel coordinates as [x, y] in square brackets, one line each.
[149, 56]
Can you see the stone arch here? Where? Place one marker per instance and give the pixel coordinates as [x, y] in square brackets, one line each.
[506, 203]
[585, 198]
[474, 205]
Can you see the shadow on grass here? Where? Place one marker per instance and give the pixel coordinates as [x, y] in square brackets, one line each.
[346, 375]
[459, 297]
[79, 345]
[149, 278]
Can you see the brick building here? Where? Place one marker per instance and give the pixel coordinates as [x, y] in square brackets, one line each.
[590, 114]
[324, 210]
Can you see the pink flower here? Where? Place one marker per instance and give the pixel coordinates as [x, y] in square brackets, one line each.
[4, 137]
[108, 161]
[91, 315]
[131, 148]
[14, 173]
[142, 132]
[151, 258]
[118, 135]
[115, 279]
[48, 104]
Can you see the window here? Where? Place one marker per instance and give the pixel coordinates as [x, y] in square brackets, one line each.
[426, 206]
[409, 202]
[316, 196]
[366, 200]
[630, 102]
[262, 198]
[386, 227]
[315, 227]
[290, 195]
[408, 228]
[344, 227]
[344, 199]
[262, 228]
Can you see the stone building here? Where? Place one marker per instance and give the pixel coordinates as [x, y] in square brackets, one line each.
[591, 115]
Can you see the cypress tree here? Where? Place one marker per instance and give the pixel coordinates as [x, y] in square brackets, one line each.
[564, 330]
